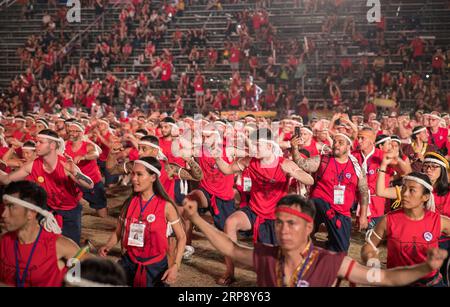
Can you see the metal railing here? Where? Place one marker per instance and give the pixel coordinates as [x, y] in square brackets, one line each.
[6, 3]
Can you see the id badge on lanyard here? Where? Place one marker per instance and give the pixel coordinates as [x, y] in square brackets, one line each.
[136, 236]
[339, 192]
[247, 184]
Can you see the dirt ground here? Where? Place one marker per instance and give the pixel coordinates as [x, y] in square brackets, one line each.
[206, 265]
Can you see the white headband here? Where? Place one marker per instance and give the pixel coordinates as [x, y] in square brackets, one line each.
[20, 120]
[396, 140]
[220, 123]
[78, 125]
[383, 140]
[49, 222]
[435, 116]
[211, 132]
[42, 122]
[139, 135]
[345, 137]
[376, 122]
[430, 204]
[431, 160]
[307, 130]
[30, 117]
[420, 130]
[28, 148]
[160, 156]
[103, 121]
[148, 166]
[60, 141]
[277, 150]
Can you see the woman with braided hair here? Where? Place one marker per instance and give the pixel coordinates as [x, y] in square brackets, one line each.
[412, 229]
[147, 219]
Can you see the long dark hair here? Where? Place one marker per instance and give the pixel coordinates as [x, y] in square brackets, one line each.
[442, 186]
[158, 189]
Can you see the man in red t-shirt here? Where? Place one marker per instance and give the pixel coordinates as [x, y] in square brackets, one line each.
[235, 54]
[293, 228]
[418, 46]
[166, 74]
[437, 64]
[60, 178]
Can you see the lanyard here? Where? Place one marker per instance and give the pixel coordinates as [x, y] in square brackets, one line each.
[20, 282]
[301, 271]
[145, 206]
[340, 176]
[300, 274]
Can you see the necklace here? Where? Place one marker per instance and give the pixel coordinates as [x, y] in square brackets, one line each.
[301, 269]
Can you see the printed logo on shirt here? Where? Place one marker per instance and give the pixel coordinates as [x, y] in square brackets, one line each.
[428, 236]
[151, 218]
[348, 175]
[371, 172]
[40, 179]
[302, 284]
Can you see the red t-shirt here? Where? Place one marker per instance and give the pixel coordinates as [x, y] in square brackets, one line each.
[43, 270]
[408, 240]
[235, 55]
[418, 47]
[154, 218]
[439, 138]
[62, 192]
[332, 173]
[88, 167]
[214, 181]
[166, 72]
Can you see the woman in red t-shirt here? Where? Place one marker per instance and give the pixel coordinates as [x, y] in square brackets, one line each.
[147, 219]
[411, 230]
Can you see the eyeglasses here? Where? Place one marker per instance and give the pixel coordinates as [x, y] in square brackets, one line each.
[432, 166]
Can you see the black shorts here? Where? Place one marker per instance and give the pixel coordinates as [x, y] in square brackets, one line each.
[225, 207]
[96, 196]
[418, 58]
[166, 84]
[178, 196]
[266, 233]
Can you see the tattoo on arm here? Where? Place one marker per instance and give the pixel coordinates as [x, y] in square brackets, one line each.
[196, 171]
[83, 177]
[309, 165]
[295, 155]
[363, 190]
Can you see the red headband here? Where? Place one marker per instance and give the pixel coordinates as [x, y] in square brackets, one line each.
[294, 212]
